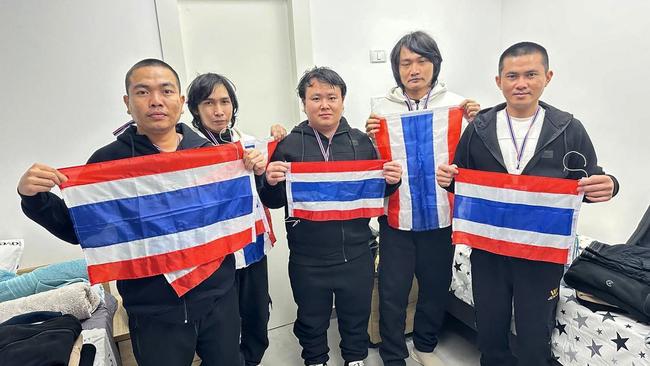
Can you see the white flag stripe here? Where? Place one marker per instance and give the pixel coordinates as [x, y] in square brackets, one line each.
[339, 205]
[173, 276]
[169, 243]
[555, 200]
[152, 184]
[398, 149]
[337, 177]
[513, 235]
[441, 156]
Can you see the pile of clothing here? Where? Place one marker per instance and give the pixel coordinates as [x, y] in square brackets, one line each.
[43, 316]
[616, 276]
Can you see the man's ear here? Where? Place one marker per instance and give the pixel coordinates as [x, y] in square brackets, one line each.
[549, 76]
[126, 102]
[497, 80]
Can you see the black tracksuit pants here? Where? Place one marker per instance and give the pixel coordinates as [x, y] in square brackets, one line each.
[314, 288]
[215, 337]
[428, 255]
[253, 285]
[534, 286]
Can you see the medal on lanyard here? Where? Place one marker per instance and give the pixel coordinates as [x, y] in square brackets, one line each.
[326, 153]
[520, 153]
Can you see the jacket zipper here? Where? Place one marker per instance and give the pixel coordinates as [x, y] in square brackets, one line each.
[345, 259]
[185, 309]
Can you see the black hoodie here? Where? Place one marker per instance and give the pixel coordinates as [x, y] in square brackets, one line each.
[561, 133]
[322, 243]
[151, 296]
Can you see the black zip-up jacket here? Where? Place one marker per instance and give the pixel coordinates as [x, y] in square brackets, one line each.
[149, 296]
[322, 243]
[479, 149]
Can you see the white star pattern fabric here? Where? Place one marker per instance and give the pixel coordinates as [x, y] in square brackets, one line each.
[581, 337]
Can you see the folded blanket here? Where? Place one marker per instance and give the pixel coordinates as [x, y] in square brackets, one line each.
[44, 279]
[77, 299]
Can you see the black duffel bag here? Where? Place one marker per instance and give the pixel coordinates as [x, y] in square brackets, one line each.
[617, 274]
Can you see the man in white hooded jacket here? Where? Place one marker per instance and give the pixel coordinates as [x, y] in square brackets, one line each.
[428, 254]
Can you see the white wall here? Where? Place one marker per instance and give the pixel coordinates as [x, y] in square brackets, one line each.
[62, 70]
[600, 55]
[597, 49]
[344, 32]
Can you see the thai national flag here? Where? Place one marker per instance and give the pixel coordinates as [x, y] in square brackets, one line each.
[336, 190]
[184, 280]
[518, 216]
[160, 213]
[420, 141]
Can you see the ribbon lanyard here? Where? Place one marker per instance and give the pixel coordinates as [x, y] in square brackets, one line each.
[520, 153]
[326, 153]
[408, 100]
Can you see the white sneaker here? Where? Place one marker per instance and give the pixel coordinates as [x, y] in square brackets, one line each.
[426, 358]
[357, 363]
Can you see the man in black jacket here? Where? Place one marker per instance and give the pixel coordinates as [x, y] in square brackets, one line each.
[327, 258]
[164, 329]
[523, 136]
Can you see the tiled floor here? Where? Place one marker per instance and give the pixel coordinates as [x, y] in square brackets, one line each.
[456, 347]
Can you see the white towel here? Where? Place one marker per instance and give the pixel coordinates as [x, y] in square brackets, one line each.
[76, 299]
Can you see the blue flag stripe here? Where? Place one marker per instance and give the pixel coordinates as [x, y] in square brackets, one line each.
[418, 140]
[106, 223]
[539, 219]
[254, 251]
[337, 191]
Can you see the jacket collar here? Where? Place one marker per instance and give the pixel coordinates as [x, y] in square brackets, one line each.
[555, 122]
[304, 128]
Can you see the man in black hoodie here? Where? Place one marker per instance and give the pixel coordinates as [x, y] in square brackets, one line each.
[165, 329]
[528, 137]
[327, 258]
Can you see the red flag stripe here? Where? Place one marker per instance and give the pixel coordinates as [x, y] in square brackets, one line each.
[527, 183]
[510, 249]
[184, 284]
[151, 164]
[169, 262]
[337, 166]
[338, 215]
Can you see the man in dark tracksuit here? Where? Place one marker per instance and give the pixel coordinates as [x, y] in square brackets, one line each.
[502, 139]
[164, 329]
[327, 258]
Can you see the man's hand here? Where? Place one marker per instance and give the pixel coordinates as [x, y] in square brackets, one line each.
[276, 172]
[445, 174]
[39, 178]
[278, 132]
[597, 188]
[392, 172]
[255, 161]
[470, 109]
[372, 125]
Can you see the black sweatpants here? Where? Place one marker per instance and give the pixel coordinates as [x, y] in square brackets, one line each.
[350, 284]
[534, 286]
[253, 285]
[215, 337]
[428, 255]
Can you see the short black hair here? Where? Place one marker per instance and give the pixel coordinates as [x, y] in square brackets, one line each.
[322, 74]
[524, 48]
[145, 63]
[422, 44]
[200, 89]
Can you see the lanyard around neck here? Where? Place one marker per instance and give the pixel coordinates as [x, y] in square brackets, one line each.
[408, 100]
[326, 153]
[520, 153]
